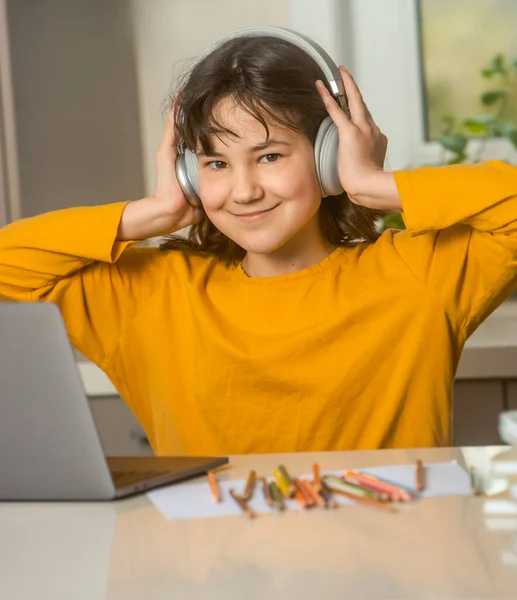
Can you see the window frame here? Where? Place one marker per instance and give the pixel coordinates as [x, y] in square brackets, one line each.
[379, 42]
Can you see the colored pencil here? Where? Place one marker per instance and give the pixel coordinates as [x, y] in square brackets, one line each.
[316, 477]
[298, 496]
[377, 488]
[266, 492]
[327, 496]
[399, 486]
[392, 489]
[284, 481]
[310, 486]
[214, 487]
[276, 495]
[242, 504]
[250, 485]
[420, 476]
[336, 483]
[364, 500]
[302, 495]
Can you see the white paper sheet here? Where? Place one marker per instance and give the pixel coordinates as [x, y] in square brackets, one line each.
[194, 500]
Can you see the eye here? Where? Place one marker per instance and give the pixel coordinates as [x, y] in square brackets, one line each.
[270, 158]
[216, 165]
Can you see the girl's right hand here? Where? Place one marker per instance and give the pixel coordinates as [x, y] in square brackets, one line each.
[168, 191]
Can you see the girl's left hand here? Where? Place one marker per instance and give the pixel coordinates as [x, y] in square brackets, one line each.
[362, 149]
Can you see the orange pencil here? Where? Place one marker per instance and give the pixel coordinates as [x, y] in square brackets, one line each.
[365, 500]
[301, 494]
[367, 485]
[313, 492]
[316, 477]
[397, 492]
[214, 487]
[307, 491]
[298, 496]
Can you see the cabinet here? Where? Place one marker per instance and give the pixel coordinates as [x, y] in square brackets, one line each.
[477, 404]
[511, 395]
[476, 407]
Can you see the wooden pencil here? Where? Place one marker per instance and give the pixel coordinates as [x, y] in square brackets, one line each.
[410, 491]
[276, 496]
[337, 483]
[250, 485]
[214, 487]
[399, 494]
[327, 496]
[316, 479]
[365, 500]
[420, 484]
[310, 486]
[368, 485]
[267, 492]
[242, 504]
[298, 496]
[284, 481]
[306, 498]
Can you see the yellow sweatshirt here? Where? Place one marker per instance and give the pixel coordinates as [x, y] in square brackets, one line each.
[356, 352]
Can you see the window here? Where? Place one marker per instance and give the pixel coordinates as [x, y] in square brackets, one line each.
[468, 52]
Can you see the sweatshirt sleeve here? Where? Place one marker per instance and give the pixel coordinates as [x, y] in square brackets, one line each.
[71, 257]
[461, 238]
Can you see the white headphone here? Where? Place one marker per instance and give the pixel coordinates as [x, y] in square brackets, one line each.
[326, 144]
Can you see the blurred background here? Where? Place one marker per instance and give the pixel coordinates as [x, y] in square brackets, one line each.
[84, 85]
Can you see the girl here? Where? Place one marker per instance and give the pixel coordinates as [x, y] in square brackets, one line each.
[284, 322]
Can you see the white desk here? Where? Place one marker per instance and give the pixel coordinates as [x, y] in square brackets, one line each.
[440, 548]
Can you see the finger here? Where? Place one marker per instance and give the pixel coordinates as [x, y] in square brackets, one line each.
[357, 106]
[334, 110]
[168, 139]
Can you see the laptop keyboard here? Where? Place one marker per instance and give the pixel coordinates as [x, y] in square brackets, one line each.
[126, 478]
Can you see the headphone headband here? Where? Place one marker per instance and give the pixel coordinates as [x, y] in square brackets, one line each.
[310, 47]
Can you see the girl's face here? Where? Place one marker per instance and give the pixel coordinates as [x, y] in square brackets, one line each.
[260, 193]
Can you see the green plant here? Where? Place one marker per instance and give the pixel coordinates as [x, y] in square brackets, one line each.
[490, 124]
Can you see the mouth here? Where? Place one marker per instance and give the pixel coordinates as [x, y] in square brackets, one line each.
[255, 216]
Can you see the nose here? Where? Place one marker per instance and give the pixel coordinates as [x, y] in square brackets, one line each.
[245, 186]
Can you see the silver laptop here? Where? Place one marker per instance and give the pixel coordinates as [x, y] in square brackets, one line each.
[49, 445]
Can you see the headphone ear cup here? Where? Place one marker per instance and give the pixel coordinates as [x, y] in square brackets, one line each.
[187, 175]
[326, 158]
[192, 173]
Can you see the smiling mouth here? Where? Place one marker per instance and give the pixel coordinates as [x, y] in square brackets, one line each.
[254, 215]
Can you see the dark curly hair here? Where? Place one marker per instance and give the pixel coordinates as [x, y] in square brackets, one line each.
[274, 81]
